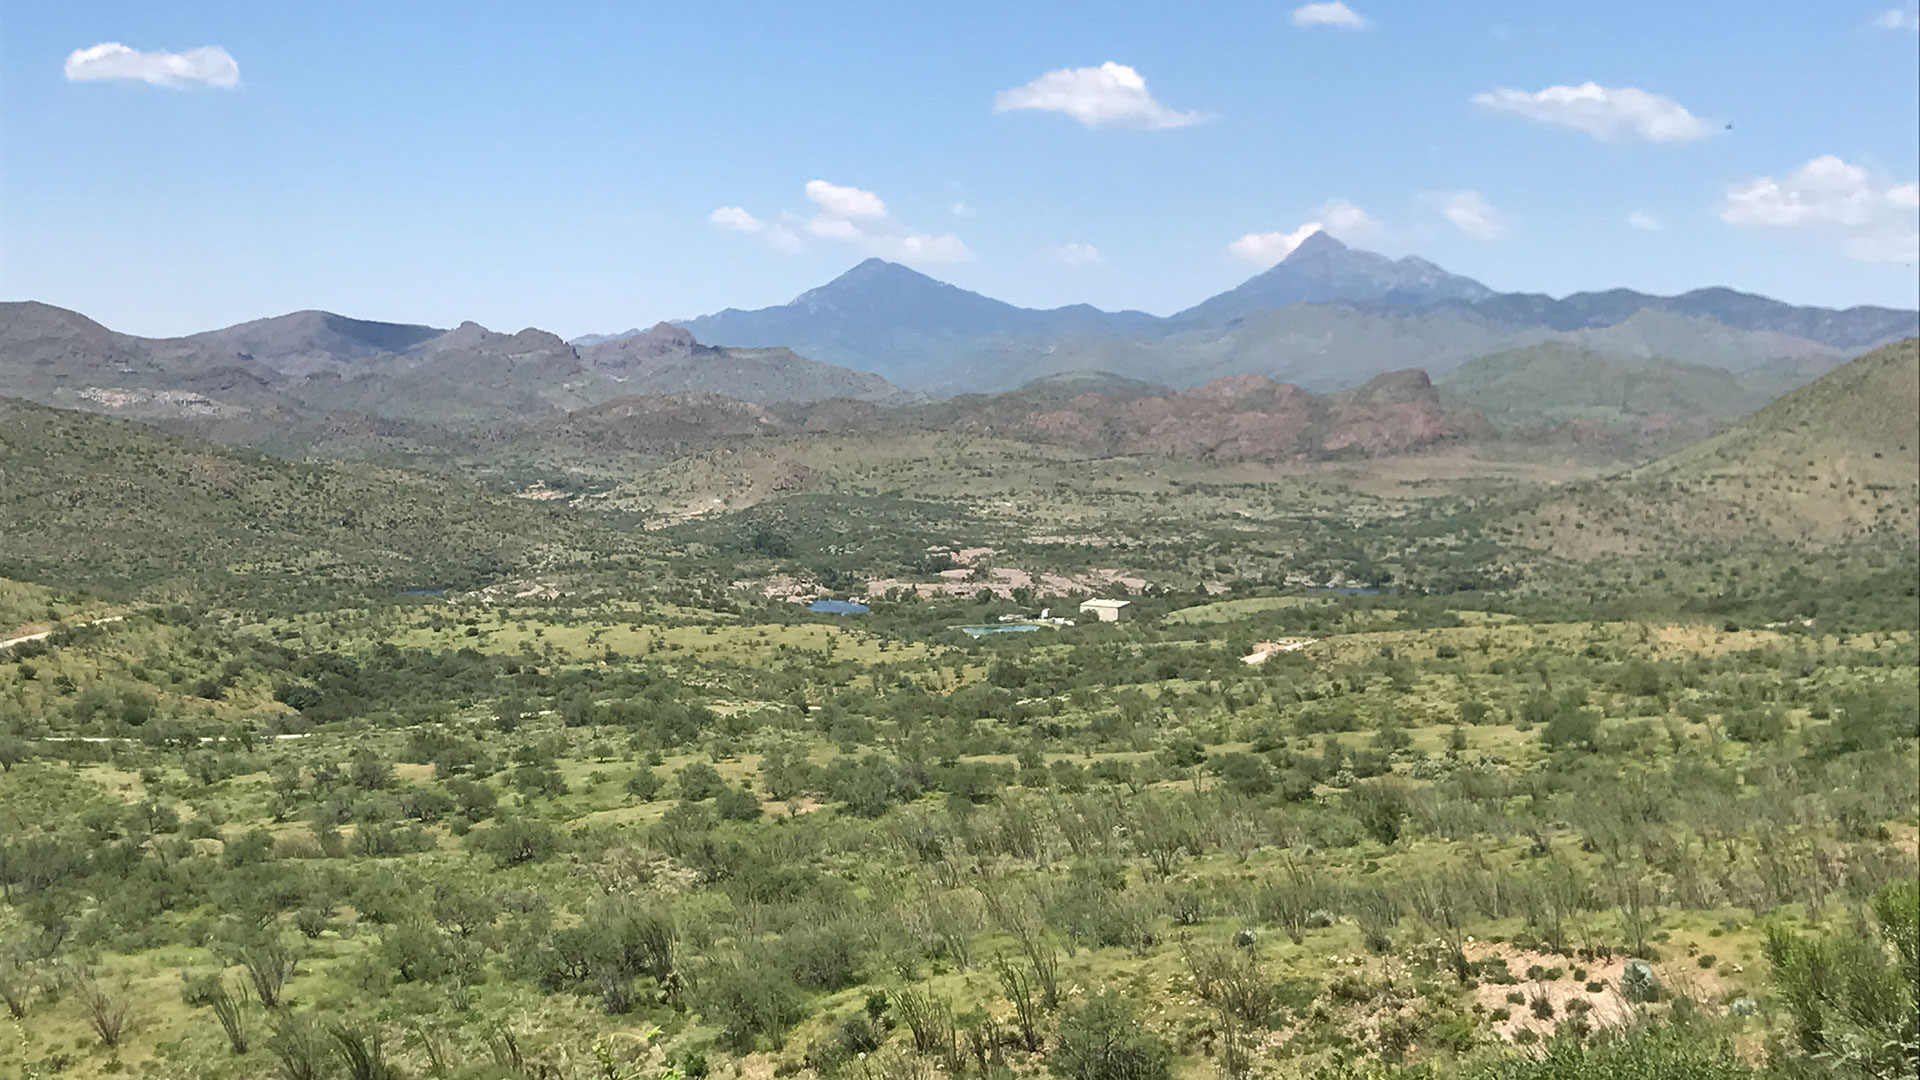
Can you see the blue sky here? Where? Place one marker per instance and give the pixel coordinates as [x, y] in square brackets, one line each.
[587, 167]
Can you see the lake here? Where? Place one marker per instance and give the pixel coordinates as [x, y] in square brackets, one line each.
[838, 607]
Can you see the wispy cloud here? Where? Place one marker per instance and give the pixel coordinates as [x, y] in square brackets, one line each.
[1606, 113]
[1906, 18]
[847, 215]
[962, 210]
[1874, 219]
[1333, 14]
[1111, 95]
[737, 219]
[1077, 255]
[1348, 222]
[1471, 213]
[778, 237]
[208, 65]
[1645, 222]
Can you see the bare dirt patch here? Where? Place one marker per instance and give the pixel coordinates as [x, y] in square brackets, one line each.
[1704, 639]
[1605, 1009]
[1266, 649]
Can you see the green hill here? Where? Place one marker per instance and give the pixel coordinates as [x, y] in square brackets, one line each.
[93, 500]
[1834, 462]
[1556, 382]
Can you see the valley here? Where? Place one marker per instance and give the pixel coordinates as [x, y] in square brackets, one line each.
[1560, 750]
[1338, 540]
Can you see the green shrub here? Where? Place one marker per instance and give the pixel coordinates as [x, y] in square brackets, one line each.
[1103, 1038]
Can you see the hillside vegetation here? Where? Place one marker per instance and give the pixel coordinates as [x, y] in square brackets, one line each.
[1556, 383]
[87, 499]
[1833, 462]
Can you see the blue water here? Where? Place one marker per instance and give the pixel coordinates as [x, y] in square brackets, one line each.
[1010, 628]
[838, 607]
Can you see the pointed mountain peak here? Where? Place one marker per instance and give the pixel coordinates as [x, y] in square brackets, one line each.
[876, 270]
[1323, 270]
[1318, 242]
[876, 281]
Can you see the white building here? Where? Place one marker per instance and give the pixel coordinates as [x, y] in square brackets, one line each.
[1108, 610]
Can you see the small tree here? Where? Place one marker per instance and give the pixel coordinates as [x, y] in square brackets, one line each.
[644, 784]
[749, 996]
[737, 804]
[1104, 1039]
[699, 780]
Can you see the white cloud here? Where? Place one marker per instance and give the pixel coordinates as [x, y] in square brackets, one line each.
[1907, 18]
[784, 240]
[1874, 220]
[846, 215]
[920, 248]
[1334, 14]
[1644, 222]
[1346, 221]
[777, 236]
[828, 227]
[1824, 191]
[1471, 214]
[846, 202]
[1603, 112]
[1111, 95]
[962, 210]
[1338, 218]
[1267, 249]
[1076, 254]
[207, 64]
[737, 219]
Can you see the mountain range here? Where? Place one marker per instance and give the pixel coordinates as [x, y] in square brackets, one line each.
[1327, 317]
[1296, 342]
[296, 381]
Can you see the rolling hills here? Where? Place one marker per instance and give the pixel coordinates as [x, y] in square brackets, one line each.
[1836, 461]
[109, 503]
[1558, 382]
[305, 378]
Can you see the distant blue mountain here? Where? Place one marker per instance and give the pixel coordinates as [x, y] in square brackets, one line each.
[1322, 270]
[1328, 316]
